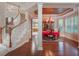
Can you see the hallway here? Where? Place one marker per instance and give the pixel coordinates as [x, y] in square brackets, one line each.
[53, 28]
[61, 47]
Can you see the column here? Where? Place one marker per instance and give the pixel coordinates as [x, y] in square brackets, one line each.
[39, 46]
[64, 25]
[57, 23]
[78, 26]
[0, 35]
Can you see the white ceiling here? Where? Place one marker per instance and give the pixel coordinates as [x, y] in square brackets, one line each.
[23, 5]
[28, 5]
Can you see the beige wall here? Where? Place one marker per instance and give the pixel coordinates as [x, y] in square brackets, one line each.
[2, 14]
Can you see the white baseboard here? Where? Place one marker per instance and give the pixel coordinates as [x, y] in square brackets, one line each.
[13, 48]
[40, 48]
[78, 46]
[69, 37]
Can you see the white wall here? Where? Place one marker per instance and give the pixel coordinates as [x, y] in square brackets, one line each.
[2, 14]
[20, 35]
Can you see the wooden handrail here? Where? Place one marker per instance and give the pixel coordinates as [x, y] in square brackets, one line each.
[13, 19]
[17, 14]
[19, 24]
[10, 31]
[3, 27]
[16, 25]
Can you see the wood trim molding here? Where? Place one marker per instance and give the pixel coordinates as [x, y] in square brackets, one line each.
[69, 36]
[69, 10]
[19, 24]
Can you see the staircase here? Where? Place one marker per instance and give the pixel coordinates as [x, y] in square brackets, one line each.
[21, 34]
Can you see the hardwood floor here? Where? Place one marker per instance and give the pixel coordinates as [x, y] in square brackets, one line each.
[24, 50]
[62, 47]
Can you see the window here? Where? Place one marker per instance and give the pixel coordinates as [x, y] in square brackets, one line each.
[68, 25]
[55, 23]
[75, 24]
[61, 25]
[71, 24]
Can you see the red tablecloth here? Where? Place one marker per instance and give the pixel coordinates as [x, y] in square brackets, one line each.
[55, 34]
[46, 33]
